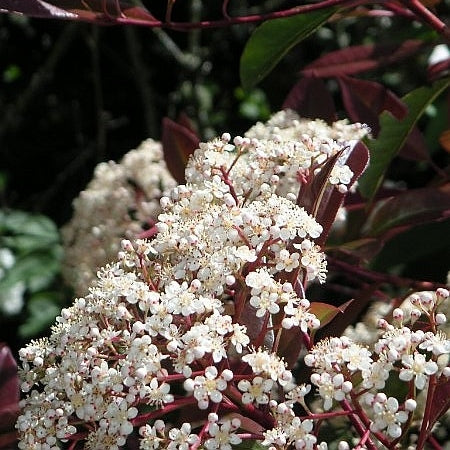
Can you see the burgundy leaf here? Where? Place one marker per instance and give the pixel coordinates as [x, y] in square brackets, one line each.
[310, 98]
[8, 441]
[329, 197]
[179, 142]
[409, 208]
[361, 58]
[441, 401]
[365, 100]
[9, 397]
[415, 147]
[35, 8]
[98, 11]
[438, 70]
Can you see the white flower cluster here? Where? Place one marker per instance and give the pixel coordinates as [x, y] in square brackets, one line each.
[176, 313]
[347, 372]
[120, 202]
[179, 340]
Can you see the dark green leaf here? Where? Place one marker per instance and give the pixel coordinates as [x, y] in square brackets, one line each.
[393, 135]
[273, 39]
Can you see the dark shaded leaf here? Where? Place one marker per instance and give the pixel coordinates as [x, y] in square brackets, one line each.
[273, 39]
[361, 58]
[363, 249]
[365, 100]
[179, 142]
[98, 11]
[415, 147]
[393, 135]
[417, 245]
[409, 208]
[321, 199]
[310, 98]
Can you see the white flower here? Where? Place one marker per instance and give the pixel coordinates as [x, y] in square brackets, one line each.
[209, 386]
[255, 390]
[331, 387]
[263, 362]
[387, 415]
[182, 438]
[417, 367]
[223, 436]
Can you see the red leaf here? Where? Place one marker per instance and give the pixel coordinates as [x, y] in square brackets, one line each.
[9, 396]
[438, 70]
[365, 100]
[179, 142]
[361, 58]
[310, 98]
[441, 402]
[409, 208]
[98, 11]
[330, 198]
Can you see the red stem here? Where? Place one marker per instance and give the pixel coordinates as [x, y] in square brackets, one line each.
[184, 26]
[425, 427]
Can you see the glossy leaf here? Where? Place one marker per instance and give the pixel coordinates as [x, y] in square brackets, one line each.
[409, 208]
[179, 142]
[273, 39]
[393, 135]
[321, 199]
[97, 11]
[365, 100]
[310, 98]
[361, 58]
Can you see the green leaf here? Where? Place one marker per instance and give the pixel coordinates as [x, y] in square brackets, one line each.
[36, 270]
[393, 135]
[273, 39]
[250, 445]
[42, 310]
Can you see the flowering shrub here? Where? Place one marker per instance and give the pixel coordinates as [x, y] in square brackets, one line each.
[203, 337]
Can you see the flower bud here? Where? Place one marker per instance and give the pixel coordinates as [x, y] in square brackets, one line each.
[440, 319]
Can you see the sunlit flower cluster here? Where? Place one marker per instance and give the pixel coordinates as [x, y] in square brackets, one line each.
[187, 341]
